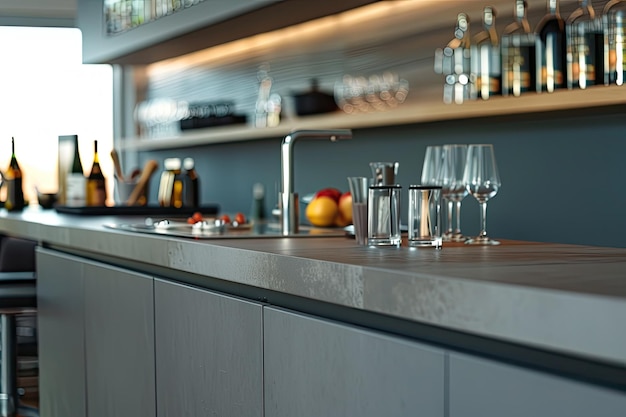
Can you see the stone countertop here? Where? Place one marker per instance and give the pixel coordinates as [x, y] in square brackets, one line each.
[563, 298]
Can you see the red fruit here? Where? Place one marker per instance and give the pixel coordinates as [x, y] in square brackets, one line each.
[329, 192]
[240, 218]
[225, 218]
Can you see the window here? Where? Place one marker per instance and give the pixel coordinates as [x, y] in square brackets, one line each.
[46, 92]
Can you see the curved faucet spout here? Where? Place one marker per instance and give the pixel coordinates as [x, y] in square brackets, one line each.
[288, 200]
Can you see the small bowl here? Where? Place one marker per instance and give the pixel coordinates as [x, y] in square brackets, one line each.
[46, 200]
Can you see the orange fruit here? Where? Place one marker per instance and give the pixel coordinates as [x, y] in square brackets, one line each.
[322, 211]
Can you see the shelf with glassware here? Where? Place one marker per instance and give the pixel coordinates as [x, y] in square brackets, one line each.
[431, 110]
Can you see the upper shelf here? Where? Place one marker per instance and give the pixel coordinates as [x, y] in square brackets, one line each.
[428, 111]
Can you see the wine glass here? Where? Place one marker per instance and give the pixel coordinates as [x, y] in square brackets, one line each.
[432, 166]
[454, 188]
[483, 182]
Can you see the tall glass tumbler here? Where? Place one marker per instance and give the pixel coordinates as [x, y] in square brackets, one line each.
[383, 215]
[359, 189]
[425, 216]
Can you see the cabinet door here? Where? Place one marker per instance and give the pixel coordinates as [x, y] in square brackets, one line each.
[61, 335]
[208, 353]
[480, 387]
[119, 342]
[319, 368]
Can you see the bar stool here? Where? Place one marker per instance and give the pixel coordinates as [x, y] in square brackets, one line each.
[18, 295]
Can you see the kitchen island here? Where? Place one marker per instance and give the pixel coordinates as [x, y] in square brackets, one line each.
[321, 326]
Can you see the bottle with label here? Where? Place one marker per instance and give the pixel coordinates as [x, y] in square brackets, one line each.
[75, 180]
[191, 188]
[551, 50]
[178, 184]
[96, 184]
[13, 177]
[518, 45]
[486, 67]
[454, 62]
[585, 47]
[614, 25]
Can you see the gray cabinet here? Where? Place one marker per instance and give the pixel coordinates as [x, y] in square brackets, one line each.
[96, 339]
[61, 335]
[119, 342]
[316, 368]
[209, 353]
[479, 387]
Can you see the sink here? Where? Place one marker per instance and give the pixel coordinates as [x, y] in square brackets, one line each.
[221, 231]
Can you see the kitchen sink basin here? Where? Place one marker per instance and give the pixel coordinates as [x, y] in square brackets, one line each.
[217, 230]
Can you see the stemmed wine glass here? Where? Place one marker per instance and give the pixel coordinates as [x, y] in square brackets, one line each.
[432, 166]
[454, 188]
[483, 182]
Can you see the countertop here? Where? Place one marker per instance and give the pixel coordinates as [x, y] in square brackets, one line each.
[562, 298]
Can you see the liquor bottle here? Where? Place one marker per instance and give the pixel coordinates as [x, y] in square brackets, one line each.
[518, 53]
[585, 47]
[551, 50]
[178, 185]
[13, 177]
[454, 62]
[614, 22]
[485, 61]
[75, 180]
[96, 185]
[191, 189]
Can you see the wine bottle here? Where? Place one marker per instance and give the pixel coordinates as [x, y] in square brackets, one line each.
[96, 184]
[485, 57]
[585, 47]
[551, 50]
[75, 180]
[518, 46]
[454, 62]
[13, 177]
[614, 25]
[191, 189]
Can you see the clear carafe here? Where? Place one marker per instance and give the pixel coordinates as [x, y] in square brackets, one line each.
[585, 47]
[454, 62]
[518, 46]
[485, 58]
[614, 25]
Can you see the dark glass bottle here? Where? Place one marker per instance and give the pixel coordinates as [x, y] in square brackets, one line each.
[96, 184]
[551, 50]
[518, 45]
[191, 189]
[585, 47]
[75, 180]
[614, 22]
[13, 177]
[486, 67]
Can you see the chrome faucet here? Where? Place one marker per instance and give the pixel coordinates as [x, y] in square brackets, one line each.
[288, 199]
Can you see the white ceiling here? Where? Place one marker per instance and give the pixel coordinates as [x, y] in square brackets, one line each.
[54, 9]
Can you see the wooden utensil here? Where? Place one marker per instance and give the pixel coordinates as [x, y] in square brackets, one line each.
[117, 165]
[148, 170]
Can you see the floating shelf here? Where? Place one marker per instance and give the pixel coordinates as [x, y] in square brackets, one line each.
[409, 113]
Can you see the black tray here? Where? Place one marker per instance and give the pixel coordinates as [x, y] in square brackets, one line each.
[149, 210]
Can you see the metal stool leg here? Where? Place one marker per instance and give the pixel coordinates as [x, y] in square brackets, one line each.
[8, 367]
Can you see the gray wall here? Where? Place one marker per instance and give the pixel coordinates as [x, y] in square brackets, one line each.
[560, 171]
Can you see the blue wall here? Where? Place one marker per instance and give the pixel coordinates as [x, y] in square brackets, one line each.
[561, 172]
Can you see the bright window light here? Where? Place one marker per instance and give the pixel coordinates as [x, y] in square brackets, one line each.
[46, 92]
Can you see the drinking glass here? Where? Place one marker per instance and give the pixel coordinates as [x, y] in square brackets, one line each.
[483, 182]
[454, 188]
[432, 166]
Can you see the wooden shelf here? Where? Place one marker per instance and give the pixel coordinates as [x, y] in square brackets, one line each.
[409, 113]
